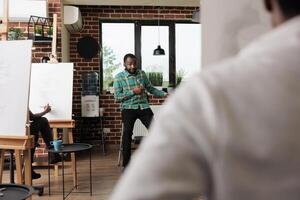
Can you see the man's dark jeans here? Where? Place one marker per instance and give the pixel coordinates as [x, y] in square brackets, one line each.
[40, 125]
[129, 116]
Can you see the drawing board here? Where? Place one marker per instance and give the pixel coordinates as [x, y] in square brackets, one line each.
[53, 84]
[15, 66]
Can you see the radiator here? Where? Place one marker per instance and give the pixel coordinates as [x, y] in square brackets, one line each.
[139, 129]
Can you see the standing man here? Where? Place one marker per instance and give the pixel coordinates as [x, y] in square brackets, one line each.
[130, 86]
[233, 131]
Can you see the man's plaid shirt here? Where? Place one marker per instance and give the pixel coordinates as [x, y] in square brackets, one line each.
[124, 84]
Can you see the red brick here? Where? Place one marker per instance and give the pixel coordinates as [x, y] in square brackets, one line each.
[148, 16]
[179, 16]
[137, 15]
[186, 12]
[104, 15]
[115, 15]
[130, 11]
[126, 15]
[169, 16]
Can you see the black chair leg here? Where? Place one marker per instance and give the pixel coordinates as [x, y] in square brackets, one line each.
[11, 167]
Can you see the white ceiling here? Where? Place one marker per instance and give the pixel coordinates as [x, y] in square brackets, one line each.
[187, 3]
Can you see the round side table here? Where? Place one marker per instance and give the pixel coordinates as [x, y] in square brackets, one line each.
[71, 148]
[15, 191]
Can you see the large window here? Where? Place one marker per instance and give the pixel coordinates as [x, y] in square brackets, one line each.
[180, 40]
[149, 42]
[188, 50]
[117, 40]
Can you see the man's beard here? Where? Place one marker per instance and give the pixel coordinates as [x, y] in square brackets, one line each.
[131, 71]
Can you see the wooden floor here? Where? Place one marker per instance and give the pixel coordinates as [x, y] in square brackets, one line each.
[105, 175]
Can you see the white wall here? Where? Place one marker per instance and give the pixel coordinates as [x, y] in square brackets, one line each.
[229, 25]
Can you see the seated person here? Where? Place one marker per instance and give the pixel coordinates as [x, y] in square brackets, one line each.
[40, 124]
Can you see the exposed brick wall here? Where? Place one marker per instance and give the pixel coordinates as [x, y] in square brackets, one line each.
[91, 16]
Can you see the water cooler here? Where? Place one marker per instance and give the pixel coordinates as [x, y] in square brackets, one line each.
[90, 95]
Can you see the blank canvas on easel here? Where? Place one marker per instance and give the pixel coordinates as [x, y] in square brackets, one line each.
[53, 84]
[15, 66]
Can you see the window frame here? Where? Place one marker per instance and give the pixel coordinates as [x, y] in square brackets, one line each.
[138, 47]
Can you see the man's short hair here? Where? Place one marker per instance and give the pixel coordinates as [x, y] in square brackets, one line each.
[290, 8]
[129, 55]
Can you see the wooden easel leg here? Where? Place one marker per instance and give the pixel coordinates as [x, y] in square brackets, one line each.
[27, 160]
[73, 158]
[18, 166]
[1, 164]
[55, 137]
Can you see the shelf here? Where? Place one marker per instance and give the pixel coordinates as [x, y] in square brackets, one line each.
[42, 26]
[42, 41]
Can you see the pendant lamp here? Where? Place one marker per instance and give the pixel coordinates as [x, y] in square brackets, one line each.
[158, 51]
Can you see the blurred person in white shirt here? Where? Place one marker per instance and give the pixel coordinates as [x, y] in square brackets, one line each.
[232, 132]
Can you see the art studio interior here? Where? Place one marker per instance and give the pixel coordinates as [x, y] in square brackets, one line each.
[88, 87]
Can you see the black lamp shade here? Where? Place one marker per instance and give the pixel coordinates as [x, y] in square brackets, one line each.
[158, 51]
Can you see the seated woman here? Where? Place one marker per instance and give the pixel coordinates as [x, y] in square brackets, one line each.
[40, 124]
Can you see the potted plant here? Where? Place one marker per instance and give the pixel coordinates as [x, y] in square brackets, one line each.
[14, 33]
[156, 78]
[50, 32]
[179, 76]
[38, 31]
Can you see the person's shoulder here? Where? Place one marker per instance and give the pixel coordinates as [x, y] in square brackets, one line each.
[120, 75]
[142, 72]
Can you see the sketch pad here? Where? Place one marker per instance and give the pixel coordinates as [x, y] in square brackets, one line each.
[53, 84]
[15, 66]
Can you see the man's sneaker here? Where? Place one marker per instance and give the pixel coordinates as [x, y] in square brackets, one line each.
[35, 175]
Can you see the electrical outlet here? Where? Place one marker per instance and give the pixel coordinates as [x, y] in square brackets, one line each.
[106, 130]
